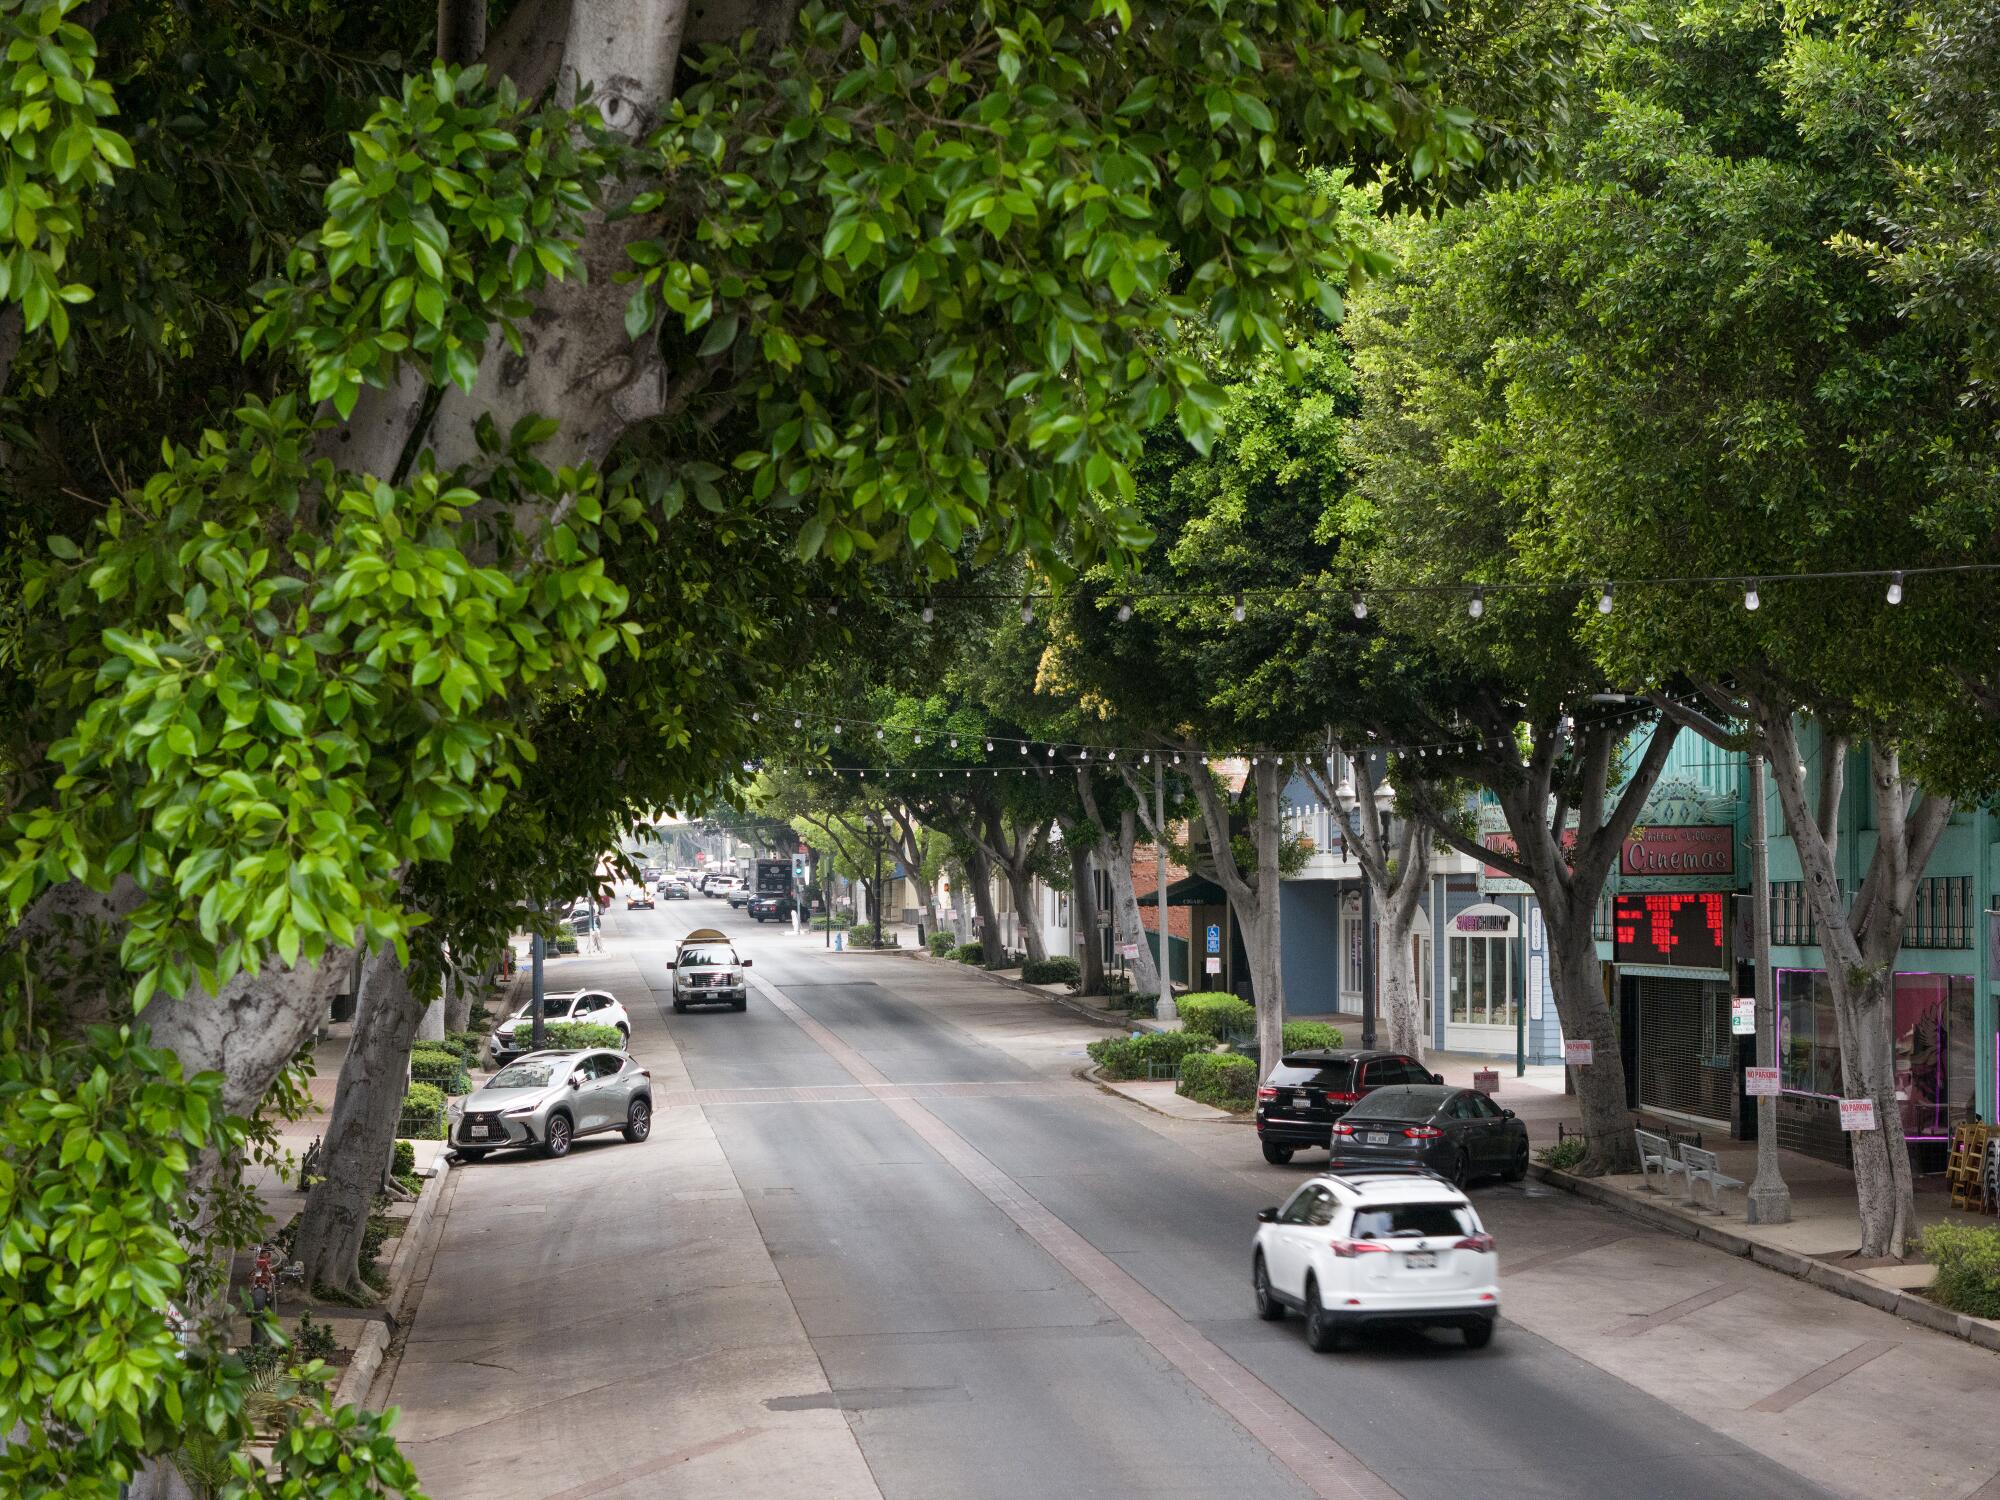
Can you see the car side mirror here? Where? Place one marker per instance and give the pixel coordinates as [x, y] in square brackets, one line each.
[673, 963]
[575, 1082]
[1506, 1114]
[1267, 1215]
[749, 963]
[1437, 1078]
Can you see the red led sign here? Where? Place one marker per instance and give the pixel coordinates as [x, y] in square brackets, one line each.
[1673, 929]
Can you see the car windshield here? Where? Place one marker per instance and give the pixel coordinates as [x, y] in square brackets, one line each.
[1414, 1102]
[706, 958]
[523, 1075]
[1406, 1221]
[1311, 1073]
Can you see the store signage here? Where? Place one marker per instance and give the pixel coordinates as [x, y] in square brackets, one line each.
[1743, 1016]
[1214, 938]
[1857, 1114]
[1474, 921]
[1214, 964]
[1680, 849]
[1579, 1054]
[1760, 1083]
[1669, 929]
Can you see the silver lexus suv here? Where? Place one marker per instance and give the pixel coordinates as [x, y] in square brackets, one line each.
[548, 1099]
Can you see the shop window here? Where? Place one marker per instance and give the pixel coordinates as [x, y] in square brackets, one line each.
[1350, 956]
[1602, 927]
[1934, 1045]
[1481, 981]
[1792, 922]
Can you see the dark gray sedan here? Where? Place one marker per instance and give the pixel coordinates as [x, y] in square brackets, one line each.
[1456, 1133]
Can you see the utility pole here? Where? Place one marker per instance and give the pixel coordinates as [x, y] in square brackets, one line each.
[536, 1036]
[1770, 1200]
[881, 906]
[1163, 1008]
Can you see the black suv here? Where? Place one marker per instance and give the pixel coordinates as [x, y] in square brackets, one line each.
[770, 908]
[1308, 1091]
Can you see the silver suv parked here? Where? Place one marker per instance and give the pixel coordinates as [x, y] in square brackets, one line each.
[548, 1099]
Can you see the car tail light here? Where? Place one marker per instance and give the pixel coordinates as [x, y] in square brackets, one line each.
[1343, 1128]
[1333, 1096]
[1480, 1242]
[1267, 1093]
[1422, 1132]
[1348, 1249]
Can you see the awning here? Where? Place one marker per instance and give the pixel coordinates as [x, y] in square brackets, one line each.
[1193, 890]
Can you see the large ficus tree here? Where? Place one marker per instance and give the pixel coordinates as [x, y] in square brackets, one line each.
[346, 393]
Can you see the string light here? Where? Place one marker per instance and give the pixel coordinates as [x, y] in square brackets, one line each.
[929, 614]
[954, 742]
[797, 722]
[1236, 609]
[1360, 606]
[1028, 611]
[1895, 588]
[989, 747]
[1604, 599]
[1750, 599]
[1125, 609]
[1476, 605]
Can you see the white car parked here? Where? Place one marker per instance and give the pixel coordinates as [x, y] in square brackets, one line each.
[513, 1035]
[1356, 1248]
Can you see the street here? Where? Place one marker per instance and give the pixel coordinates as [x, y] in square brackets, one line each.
[884, 1242]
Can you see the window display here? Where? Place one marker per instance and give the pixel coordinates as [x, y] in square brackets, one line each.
[1934, 1048]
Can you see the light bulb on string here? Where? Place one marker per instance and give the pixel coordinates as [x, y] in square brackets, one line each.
[929, 614]
[1360, 607]
[755, 716]
[1125, 609]
[1146, 759]
[1750, 599]
[1476, 605]
[797, 722]
[1604, 599]
[1895, 588]
[989, 747]
[878, 734]
[1023, 747]
[954, 742]
[1236, 609]
[1112, 756]
[1027, 611]
[1052, 752]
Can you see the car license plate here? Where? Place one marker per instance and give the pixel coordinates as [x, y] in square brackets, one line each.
[1421, 1260]
[1376, 1138]
[479, 1133]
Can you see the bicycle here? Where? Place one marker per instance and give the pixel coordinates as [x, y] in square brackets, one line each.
[309, 1164]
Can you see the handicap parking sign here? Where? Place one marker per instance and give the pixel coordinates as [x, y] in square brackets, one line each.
[1214, 937]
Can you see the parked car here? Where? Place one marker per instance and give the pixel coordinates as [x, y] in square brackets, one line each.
[511, 1037]
[708, 971]
[674, 890]
[771, 908]
[639, 900]
[721, 885]
[549, 1099]
[741, 896]
[1308, 1091]
[1352, 1250]
[1457, 1133]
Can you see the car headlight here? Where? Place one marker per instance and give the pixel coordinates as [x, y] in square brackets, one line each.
[519, 1110]
[454, 1108]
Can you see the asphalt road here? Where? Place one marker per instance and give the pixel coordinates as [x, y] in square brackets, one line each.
[969, 1356]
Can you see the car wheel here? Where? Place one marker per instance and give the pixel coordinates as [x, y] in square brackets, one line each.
[680, 1007]
[556, 1142]
[1269, 1308]
[624, 1036]
[1479, 1335]
[741, 1002]
[471, 1154]
[1462, 1173]
[1322, 1334]
[1277, 1156]
[638, 1121]
[1519, 1169]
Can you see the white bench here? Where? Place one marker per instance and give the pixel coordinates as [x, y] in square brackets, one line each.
[1704, 1166]
[1656, 1154]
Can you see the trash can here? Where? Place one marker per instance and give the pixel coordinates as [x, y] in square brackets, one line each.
[1486, 1081]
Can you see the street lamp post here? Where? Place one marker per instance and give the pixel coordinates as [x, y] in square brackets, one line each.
[1770, 1199]
[1163, 1008]
[1350, 806]
[535, 1035]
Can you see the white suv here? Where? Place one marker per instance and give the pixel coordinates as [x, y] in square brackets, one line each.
[512, 1036]
[1357, 1248]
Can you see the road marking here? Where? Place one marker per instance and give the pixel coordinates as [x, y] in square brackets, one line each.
[1674, 1311]
[1818, 1380]
[1317, 1460]
[1579, 1247]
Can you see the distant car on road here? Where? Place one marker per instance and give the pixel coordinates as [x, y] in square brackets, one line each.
[548, 1099]
[741, 897]
[1308, 1090]
[708, 971]
[512, 1036]
[1353, 1250]
[639, 900]
[1457, 1133]
[771, 908]
[721, 885]
[674, 890]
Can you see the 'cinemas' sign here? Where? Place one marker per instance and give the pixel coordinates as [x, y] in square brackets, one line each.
[1680, 849]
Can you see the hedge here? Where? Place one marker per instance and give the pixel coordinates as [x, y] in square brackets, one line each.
[469, 1043]
[861, 935]
[969, 953]
[838, 920]
[1129, 1056]
[1967, 1257]
[422, 1116]
[1061, 969]
[1219, 1078]
[567, 1036]
[436, 1065]
[1299, 1035]
[1211, 1014]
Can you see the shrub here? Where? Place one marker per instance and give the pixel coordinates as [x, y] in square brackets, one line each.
[1219, 1078]
[1061, 969]
[1299, 1035]
[404, 1161]
[861, 935]
[1215, 1015]
[1130, 1056]
[942, 943]
[565, 1036]
[435, 1065]
[1967, 1257]
[969, 953]
[312, 1341]
[468, 1044]
[838, 920]
[423, 1113]
[1565, 1154]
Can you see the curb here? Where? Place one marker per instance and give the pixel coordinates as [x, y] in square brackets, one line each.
[1090, 1074]
[1856, 1288]
[413, 1230]
[360, 1372]
[1072, 1003]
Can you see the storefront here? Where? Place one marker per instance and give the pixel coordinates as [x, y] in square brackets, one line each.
[1936, 1052]
[1482, 989]
[1672, 955]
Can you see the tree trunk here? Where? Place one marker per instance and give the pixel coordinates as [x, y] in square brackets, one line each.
[1125, 908]
[1402, 1002]
[1022, 884]
[362, 1133]
[458, 987]
[1083, 902]
[1254, 899]
[1576, 978]
[979, 877]
[431, 1026]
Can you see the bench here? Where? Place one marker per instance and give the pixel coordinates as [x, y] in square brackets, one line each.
[1656, 1154]
[1704, 1166]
